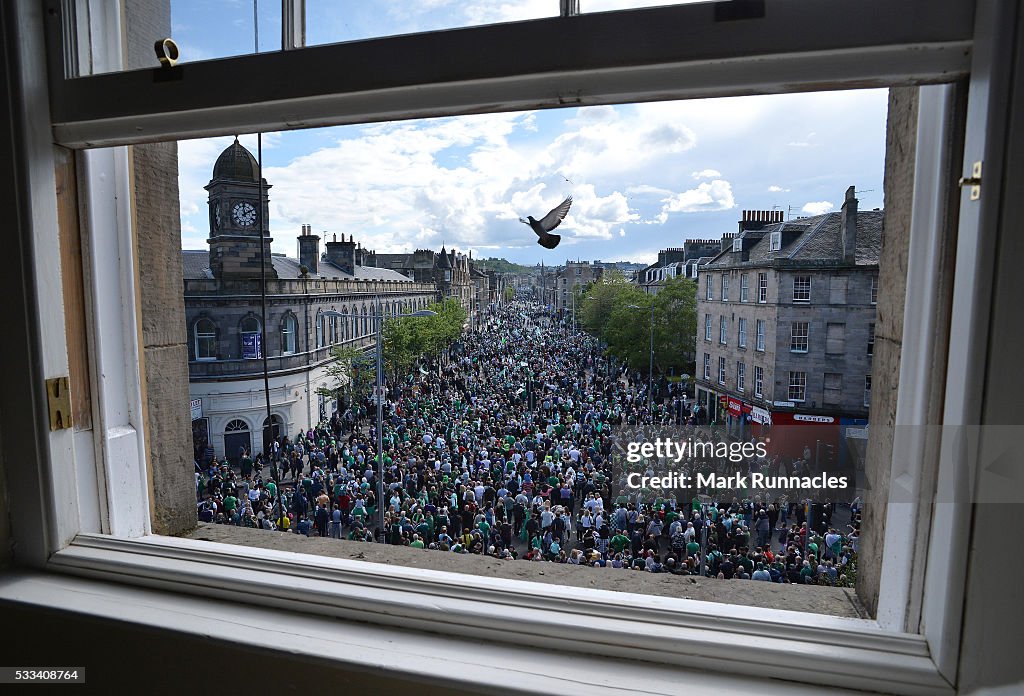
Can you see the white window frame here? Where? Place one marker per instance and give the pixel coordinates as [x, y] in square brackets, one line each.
[289, 334]
[891, 653]
[723, 330]
[196, 337]
[707, 328]
[741, 375]
[741, 332]
[804, 298]
[725, 287]
[745, 287]
[762, 288]
[709, 287]
[797, 381]
[758, 381]
[721, 369]
[737, 244]
[707, 367]
[799, 343]
[759, 339]
[775, 241]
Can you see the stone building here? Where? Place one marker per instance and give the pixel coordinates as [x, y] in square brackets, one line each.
[675, 262]
[226, 339]
[449, 271]
[785, 328]
[575, 274]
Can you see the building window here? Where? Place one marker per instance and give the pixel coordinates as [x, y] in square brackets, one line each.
[725, 287]
[837, 289]
[775, 241]
[249, 334]
[744, 288]
[723, 328]
[707, 327]
[799, 337]
[797, 386]
[708, 290]
[206, 340]
[742, 333]
[871, 340]
[320, 329]
[801, 288]
[758, 381]
[762, 287]
[741, 376]
[874, 289]
[867, 390]
[721, 370]
[833, 388]
[759, 345]
[289, 328]
[707, 367]
[835, 338]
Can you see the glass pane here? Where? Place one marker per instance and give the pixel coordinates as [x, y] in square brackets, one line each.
[335, 21]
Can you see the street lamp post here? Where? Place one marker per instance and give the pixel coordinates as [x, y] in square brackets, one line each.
[379, 395]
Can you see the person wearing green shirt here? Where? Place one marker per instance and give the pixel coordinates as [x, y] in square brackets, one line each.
[619, 542]
[692, 548]
[416, 543]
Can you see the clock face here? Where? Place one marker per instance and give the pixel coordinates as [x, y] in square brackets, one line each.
[244, 214]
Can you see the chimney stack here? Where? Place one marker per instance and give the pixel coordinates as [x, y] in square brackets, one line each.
[343, 254]
[309, 249]
[848, 226]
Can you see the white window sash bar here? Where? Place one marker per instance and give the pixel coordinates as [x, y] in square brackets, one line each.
[654, 53]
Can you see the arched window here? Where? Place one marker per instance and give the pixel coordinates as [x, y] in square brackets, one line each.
[249, 333]
[205, 340]
[273, 429]
[344, 324]
[236, 426]
[320, 329]
[289, 330]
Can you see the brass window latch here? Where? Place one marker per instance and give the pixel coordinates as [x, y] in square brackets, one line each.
[974, 181]
[58, 396]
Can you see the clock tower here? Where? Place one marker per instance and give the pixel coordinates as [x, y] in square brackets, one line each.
[235, 216]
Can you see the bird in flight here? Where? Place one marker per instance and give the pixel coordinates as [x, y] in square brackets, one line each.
[547, 223]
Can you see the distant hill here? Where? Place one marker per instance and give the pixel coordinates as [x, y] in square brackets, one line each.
[500, 266]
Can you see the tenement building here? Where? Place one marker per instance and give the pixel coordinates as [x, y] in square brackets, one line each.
[313, 303]
[786, 324]
[570, 280]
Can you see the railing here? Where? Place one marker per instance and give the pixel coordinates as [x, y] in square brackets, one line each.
[242, 367]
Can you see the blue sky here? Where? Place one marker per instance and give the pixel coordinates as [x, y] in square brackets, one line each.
[643, 177]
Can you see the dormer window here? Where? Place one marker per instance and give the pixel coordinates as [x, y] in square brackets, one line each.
[737, 244]
[775, 241]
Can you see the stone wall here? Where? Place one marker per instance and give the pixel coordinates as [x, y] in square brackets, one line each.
[901, 134]
[165, 354]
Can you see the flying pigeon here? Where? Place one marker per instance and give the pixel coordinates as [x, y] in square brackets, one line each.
[548, 223]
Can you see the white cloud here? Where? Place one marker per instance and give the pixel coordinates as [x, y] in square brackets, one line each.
[707, 197]
[777, 189]
[817, 208]
[707, 174]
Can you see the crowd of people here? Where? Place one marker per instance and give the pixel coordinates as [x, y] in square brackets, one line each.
[511, 447]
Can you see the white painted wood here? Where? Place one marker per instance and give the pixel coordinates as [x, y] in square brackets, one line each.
[916, 379]
[970, 333]
[665, 630]
[437, 661]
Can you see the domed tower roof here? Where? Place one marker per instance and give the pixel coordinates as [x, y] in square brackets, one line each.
[236, 164]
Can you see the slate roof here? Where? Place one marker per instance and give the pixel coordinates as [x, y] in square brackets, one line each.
[817, 239]
[196, 266]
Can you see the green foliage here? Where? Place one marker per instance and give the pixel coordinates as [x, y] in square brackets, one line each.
[510, 293]
[406, 339]
[620, 314]
[351, 374]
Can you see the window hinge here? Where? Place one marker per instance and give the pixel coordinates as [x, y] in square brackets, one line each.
[974, 181]
[58, 396]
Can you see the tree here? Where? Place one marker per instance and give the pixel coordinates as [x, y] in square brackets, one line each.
[407, 339]
[675, 326]
[351, 373]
